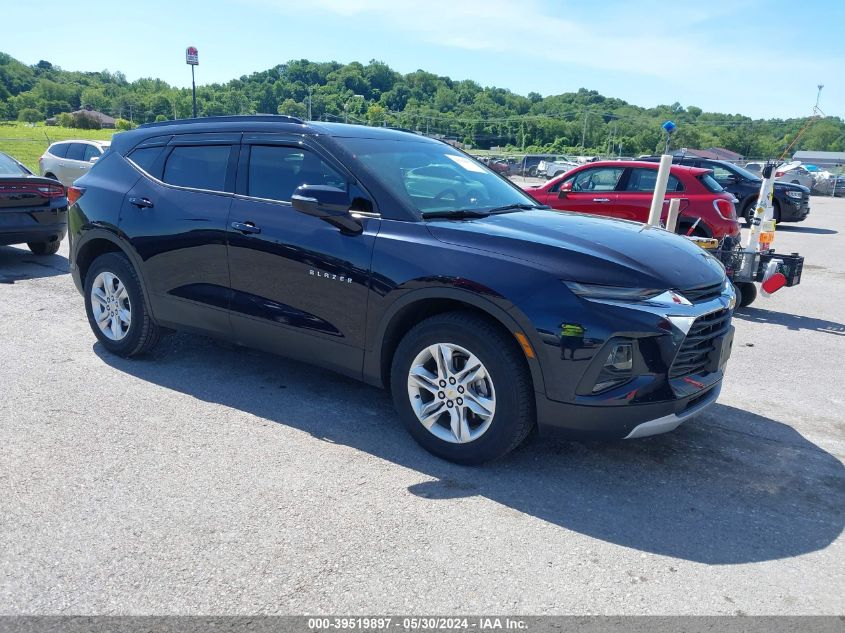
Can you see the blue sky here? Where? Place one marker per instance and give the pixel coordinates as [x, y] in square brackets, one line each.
[714, 55]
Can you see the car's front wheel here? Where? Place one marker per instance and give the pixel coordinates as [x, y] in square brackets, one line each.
[116, 307]
[462, 389]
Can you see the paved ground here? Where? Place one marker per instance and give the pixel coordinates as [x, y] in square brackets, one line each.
[209, 480]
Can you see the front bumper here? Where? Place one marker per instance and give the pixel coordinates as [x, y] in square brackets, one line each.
[662, 393]
[794, 210]
[615, 423]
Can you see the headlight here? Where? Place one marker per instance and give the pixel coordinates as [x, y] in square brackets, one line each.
[797, 195]
[729, 288]
[619, 293]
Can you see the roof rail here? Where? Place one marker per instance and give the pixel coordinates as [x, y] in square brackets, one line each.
[258, 118]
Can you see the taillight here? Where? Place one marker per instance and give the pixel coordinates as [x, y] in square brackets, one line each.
[778, 174]
[74, 194]
[725, 209]
[30, 188]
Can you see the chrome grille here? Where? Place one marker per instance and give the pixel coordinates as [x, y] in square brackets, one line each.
[692, 358]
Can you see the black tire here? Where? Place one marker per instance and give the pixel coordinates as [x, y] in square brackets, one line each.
[142, 333]
[514, 415]
[49, 175]
[44, 248]
[776, 214]
[748, 212]
[532, 172]
[746, 293]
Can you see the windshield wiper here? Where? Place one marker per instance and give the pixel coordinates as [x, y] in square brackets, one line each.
[456, 214]
[519, 206]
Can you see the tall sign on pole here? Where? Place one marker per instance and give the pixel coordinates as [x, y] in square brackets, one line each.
[192, 58]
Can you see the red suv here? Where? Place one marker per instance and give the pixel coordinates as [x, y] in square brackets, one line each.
[623, 189]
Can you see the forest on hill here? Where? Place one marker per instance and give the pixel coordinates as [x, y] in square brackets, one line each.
[375, 94]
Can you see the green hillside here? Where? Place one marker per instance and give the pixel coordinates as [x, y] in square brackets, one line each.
[375, 94]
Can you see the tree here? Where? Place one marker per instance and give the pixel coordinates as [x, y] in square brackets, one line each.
[30, 115]
[293, 108]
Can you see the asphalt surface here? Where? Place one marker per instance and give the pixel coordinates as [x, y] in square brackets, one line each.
[209, 480]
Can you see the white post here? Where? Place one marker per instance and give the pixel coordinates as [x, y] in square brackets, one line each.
[672, 220]
[764, 211]
[660, 190]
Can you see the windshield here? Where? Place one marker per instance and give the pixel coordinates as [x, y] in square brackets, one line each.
[433, 177]
[746, 174]
[10, 167]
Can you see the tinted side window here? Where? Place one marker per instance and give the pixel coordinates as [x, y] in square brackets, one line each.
[598, 179]
[146, 157]
[76, 151]
[721, 174]
[198, 167]
[59, 150]
[90, 152]
[644, 180]
[276, 171]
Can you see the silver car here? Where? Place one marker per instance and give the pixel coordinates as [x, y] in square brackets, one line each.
[66, 161]
[789, 172]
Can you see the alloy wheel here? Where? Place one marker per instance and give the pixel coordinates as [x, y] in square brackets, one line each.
[451, 393]
[110, 306]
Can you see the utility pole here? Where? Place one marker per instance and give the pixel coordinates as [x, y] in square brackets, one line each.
[192, 58]
[346, 107]
[584, 132]
[818, 96]
[310, 88]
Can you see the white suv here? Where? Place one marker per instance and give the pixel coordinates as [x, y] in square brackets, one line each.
[68, 160]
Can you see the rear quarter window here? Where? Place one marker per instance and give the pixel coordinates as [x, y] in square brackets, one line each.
[145, 158]
[710, 183]
[59, 150]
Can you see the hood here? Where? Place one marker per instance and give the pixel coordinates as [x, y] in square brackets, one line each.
[588, 249]
[788, 186]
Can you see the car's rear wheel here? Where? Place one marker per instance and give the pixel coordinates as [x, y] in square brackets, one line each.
[49, 175]
[44, 248]
[462, 389]
[116, 307]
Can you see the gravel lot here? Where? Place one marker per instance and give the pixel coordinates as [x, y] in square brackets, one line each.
[210, 480]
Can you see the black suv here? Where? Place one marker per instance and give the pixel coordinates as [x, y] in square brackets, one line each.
[403, 262]
[791, 201]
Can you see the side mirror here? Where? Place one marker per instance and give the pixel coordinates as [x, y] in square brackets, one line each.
[327, 203]
[565, 188]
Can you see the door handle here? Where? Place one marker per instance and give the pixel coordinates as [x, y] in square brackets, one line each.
[246, 227]
[141, 203]
[601, 199]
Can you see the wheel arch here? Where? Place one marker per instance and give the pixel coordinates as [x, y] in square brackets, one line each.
[685, 224]
[419, 305]
[98, 242]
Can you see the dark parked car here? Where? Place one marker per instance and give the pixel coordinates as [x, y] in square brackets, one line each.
[482, 311]
[791, 201]
[33, 210]
[528, 165]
